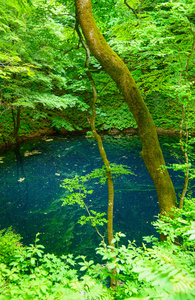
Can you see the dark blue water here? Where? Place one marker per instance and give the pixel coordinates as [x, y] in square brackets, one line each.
[30, 192]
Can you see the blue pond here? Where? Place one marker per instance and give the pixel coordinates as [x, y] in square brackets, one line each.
[30, 192]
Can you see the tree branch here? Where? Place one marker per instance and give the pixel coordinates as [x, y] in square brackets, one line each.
[184, 148]
[92, 222]
[131, 8]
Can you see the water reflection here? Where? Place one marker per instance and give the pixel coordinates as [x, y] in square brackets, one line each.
[30, 192]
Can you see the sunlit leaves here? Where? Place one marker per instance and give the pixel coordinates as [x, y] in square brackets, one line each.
[36, 58]
[95, 218]
[40, 53]
[51, 101]
[162, 271]
[158, 44]
[77, 191]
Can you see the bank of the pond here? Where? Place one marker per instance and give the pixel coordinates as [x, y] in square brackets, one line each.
[48, 132]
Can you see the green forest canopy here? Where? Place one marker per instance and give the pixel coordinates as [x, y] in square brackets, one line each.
[42, 64]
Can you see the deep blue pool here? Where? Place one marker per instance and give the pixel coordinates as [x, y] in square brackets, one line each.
[30, 192]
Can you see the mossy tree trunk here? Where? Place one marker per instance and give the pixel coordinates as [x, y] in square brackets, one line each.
[100, 144]
[108, 175]
[115, 67]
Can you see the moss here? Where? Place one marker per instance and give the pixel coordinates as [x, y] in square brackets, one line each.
[118, 71]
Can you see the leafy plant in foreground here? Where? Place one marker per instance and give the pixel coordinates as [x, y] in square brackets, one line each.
[163, 270]
[35, 275]
[78, 192]
[10, 244]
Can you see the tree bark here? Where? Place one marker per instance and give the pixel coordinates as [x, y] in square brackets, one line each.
[100, 144]
[115, 67]
[16, 121]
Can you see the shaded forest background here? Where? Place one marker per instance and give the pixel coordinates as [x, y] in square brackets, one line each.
[43, 80]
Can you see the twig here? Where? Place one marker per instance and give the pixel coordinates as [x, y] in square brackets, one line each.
[102, 236]
[131, 8]
[184, 149]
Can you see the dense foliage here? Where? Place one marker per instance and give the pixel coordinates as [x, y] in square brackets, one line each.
[161, 270]
[43, 79]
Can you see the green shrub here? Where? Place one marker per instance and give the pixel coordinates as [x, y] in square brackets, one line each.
[10, 245]
[162, 270]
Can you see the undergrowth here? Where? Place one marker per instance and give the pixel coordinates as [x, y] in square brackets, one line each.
[159, 270]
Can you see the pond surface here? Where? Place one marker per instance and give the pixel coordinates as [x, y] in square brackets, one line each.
[30, 192]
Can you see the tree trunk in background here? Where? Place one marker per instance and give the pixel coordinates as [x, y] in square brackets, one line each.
[16, 121]
[115, 67]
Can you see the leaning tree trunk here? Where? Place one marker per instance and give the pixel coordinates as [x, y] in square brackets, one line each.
[115, 67]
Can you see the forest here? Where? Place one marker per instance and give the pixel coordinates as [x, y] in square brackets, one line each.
[93, 68]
